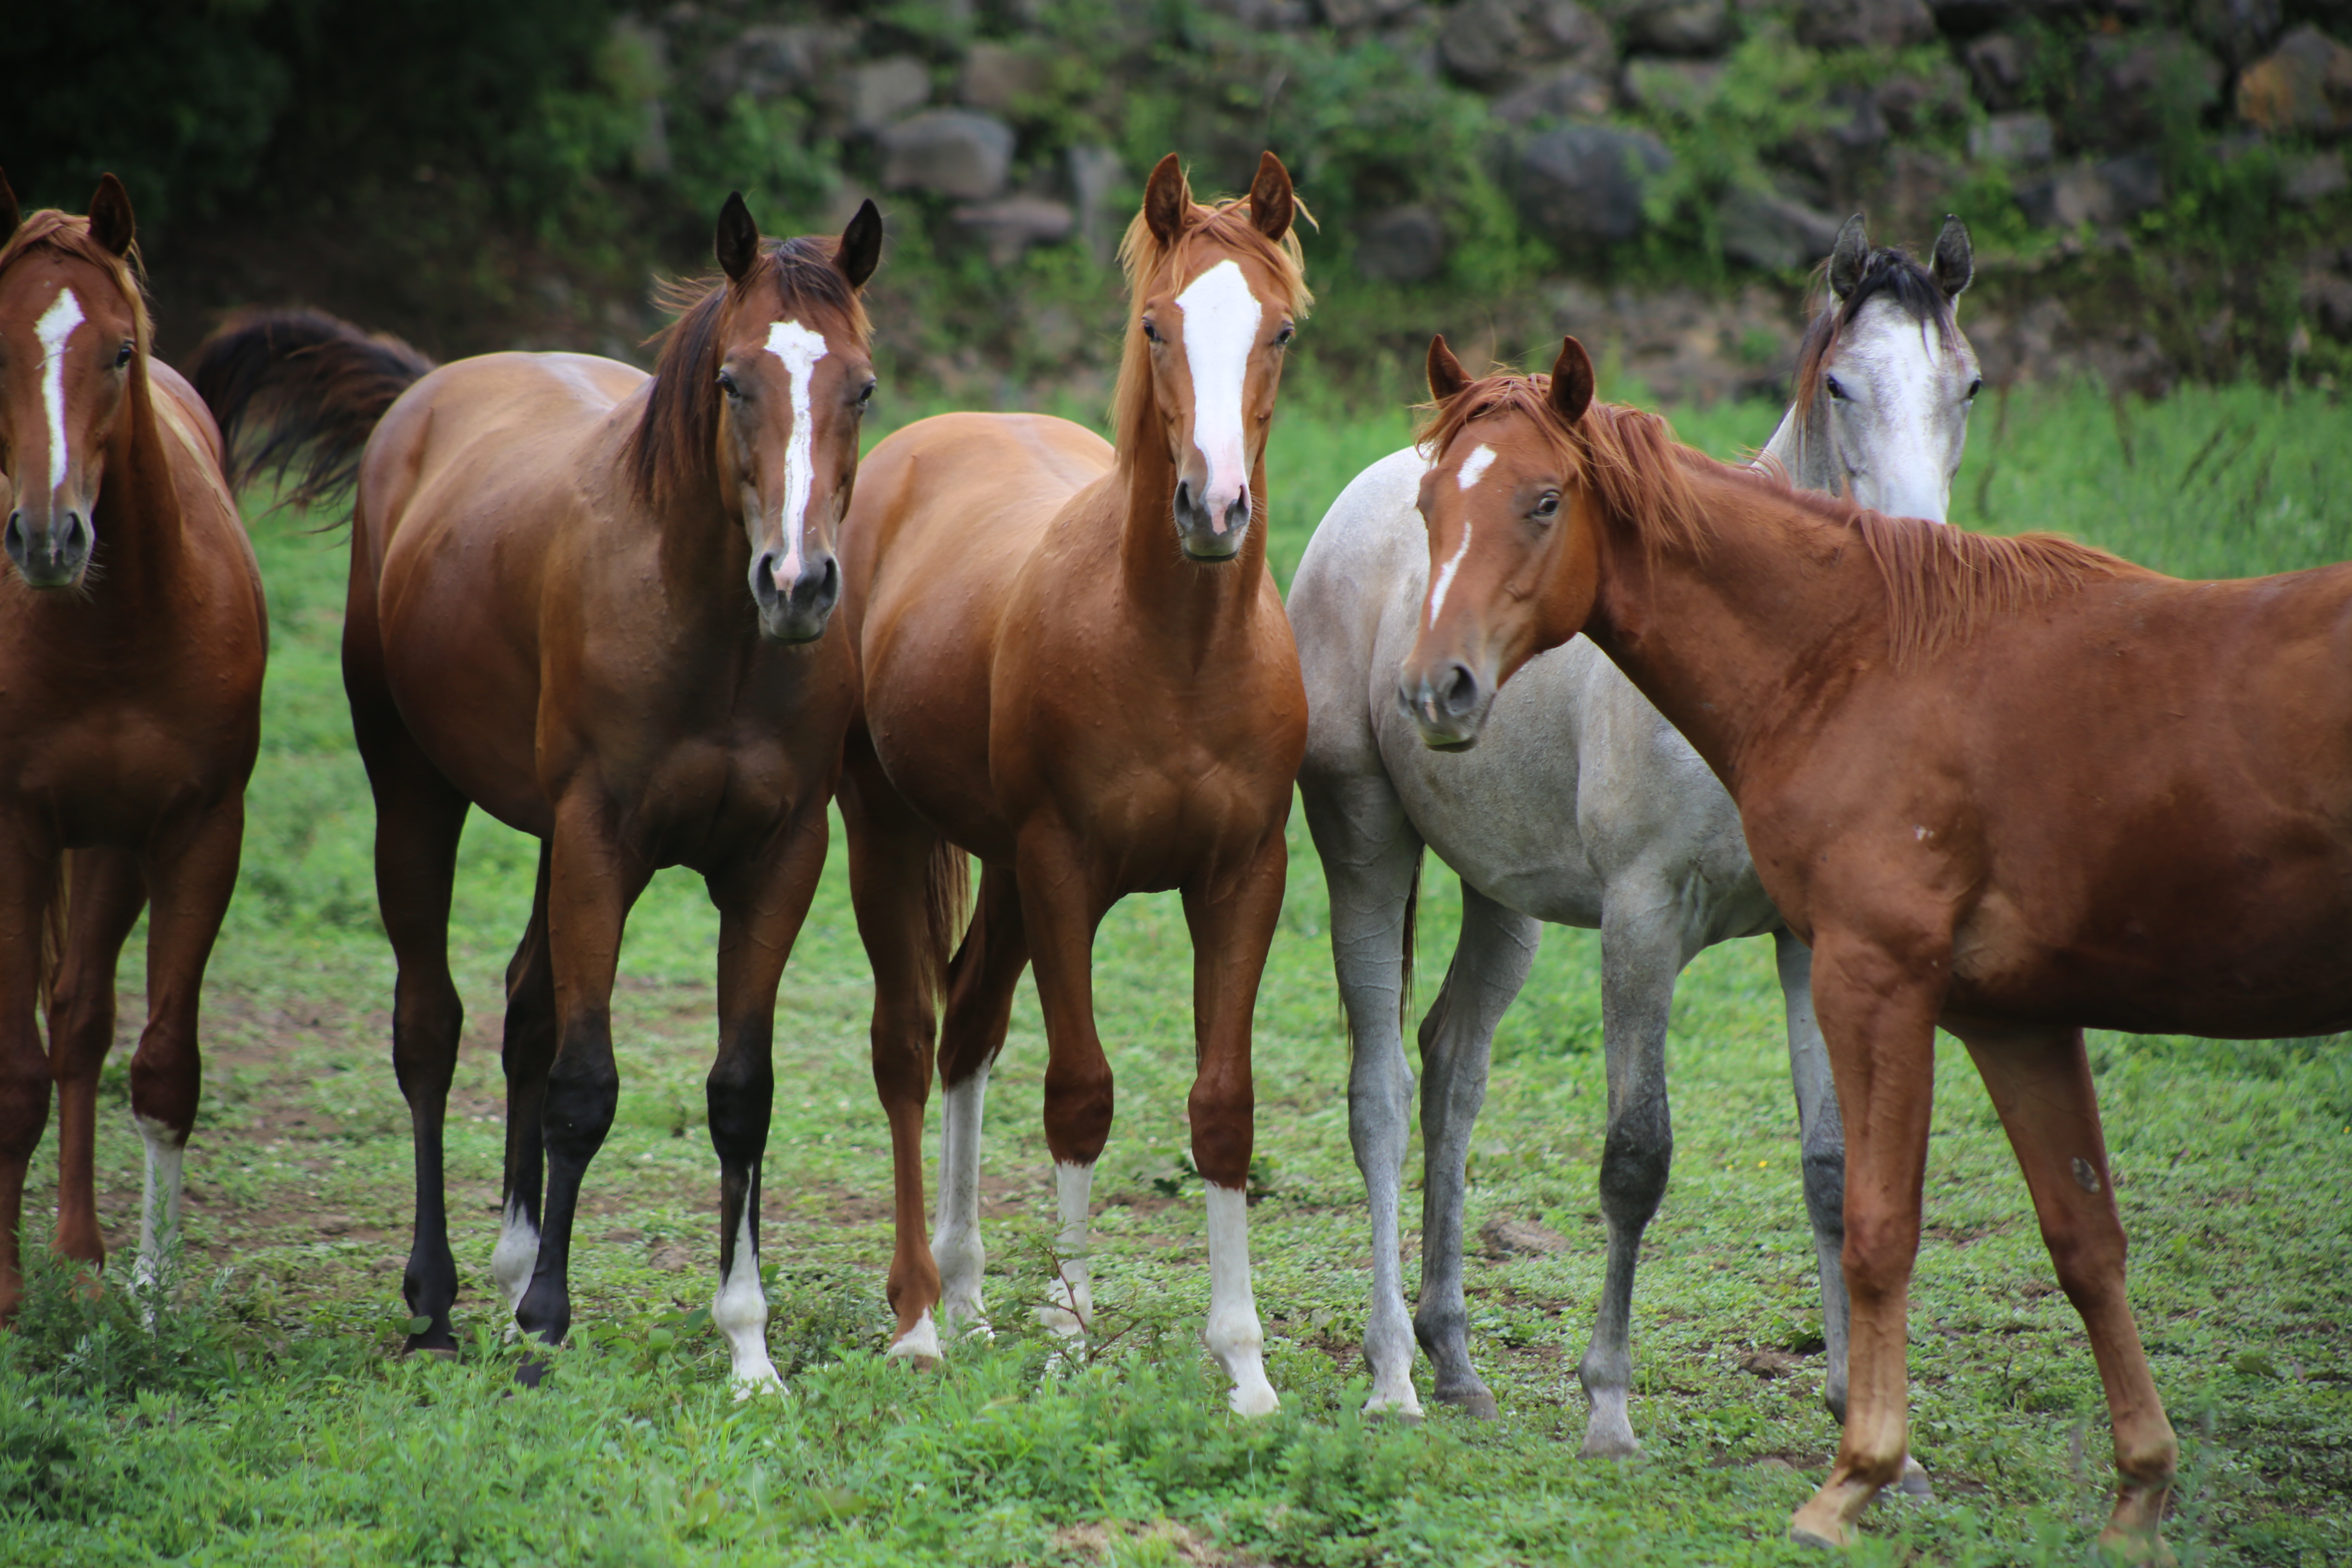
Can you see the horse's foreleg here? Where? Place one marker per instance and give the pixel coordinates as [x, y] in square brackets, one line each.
[2041, 1084]
[1059, 912]
[760, 911]
[592, 883]
[980, 1007]
[1233, 927]
[108, 894]
[1879, 1020]
[1490, 964]
[26, 867]
[527, 1053]
[1372, 858]
[190, 883]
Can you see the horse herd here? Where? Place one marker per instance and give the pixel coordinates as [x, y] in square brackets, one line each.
[2012, 787]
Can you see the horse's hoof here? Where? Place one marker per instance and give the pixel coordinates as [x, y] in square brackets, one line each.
[1405, 1408]
[2140, 1551]
[1914, 1482]
[1479, 1403]
[919, 1347]
[1610, 1446]
[530, 1371]
[1800, 1536]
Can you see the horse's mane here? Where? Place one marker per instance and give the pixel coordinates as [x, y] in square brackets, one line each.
[69, 235]
[1631, 458]
[1225, 225]
[1890, 272]
[671, 447]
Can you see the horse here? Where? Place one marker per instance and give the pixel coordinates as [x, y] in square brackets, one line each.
[1077, 667]
[2012, 787]
[1588, 809]
[599, 606]
[133, 644]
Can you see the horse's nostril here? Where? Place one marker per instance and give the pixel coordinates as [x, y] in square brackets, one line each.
[1183, 495]
[1461, 693]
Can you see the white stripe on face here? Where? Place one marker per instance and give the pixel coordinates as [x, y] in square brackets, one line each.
[1220, 321]
[57, 324]
[1474, 467]
[800, 349]
[1445, 573]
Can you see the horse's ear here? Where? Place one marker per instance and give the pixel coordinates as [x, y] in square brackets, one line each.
[737, 242]
[1571, 381]
[1446, 376]
[860, 251]
[1955, 261]
[1272, 205]
[110, 223]
[1167, 200]
[1848, 256]
[11, 215]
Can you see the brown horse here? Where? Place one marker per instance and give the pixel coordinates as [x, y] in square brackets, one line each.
[595, 604]
[132, 638]
[2015, 787]
[1077, 667]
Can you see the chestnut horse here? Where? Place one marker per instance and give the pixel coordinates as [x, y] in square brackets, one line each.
[131, 647]
[1077, 667]
[595, 604]
[2015, 787]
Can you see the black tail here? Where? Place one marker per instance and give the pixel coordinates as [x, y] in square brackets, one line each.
[300, 392]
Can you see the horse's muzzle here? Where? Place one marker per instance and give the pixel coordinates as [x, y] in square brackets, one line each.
[1448, 704]
[797, 611]
[51, 556]
[1208, 533]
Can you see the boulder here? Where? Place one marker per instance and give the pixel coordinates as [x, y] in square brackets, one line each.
[1346, 14]
[1010, 224]
[2102, 192]
[1865, 24]
[2237, 30]
[1483, 42]
[1676, 26]
[2134, 86]
[1997, 65]
[950, 152]
[1673, 87]
[1769, 230]
[1582, 186]
[2303, 86]
[2310, 180]
[1911, 103]
[1403, 244]
[2021, 138]
[879, 92]
[768, 61]
[997, 76]
[1566, 94]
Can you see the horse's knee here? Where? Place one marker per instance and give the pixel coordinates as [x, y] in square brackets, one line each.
[1824, 1175]
[1223, 1133]
[1637, 1159]
[1079, 1112]
[740, 1095]
[1879, 1253]
[581, 1097]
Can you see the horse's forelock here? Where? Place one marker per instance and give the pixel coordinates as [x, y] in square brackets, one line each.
[1890, 273]
[67, 234]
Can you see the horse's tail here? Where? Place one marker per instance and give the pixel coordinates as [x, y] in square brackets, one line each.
[300, 392]
[947, 911]
[56, 919]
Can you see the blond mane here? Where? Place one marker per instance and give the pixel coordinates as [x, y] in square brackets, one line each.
[68, 235]
[1222, 224]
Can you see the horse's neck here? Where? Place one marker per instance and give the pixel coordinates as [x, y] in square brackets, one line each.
[1187, 603]
[1800, 446]
[1748, 634]
[138, 517]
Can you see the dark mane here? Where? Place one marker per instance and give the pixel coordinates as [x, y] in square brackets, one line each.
[1890, 272]
[670, 450]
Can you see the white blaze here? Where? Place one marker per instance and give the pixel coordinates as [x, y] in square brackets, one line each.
[1220, 321]
[1445, 573]
[57, 324]
[800, 349]
[1474, 467]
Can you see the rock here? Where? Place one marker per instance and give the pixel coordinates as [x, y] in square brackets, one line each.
[952, 151]
[1010, 224]
[769, 61]
[1676, 26]
[2312, 180]
[1093, 174]
[1865, 24]
[1910, 104]
[1346, 14]
[2095, 194]
[1581, 186]
[997, 76]
[881, 91]
[2237, 30]
[2024, 138]
[1520, 1238]
[2328, 298]
[1997, 64]
[1768, 230]
[1403, 244]
[1769, 1364]
[1562, 30]
[2136, 86]
[2304, 85]
[1569, 94]
[1673, 87]
[1265, 16]
[1491, 43]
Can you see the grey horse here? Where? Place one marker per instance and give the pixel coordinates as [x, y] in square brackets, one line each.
[1586, 808]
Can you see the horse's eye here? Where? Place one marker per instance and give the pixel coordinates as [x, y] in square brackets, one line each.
[1150, 332]
[728, 386]
[1829, 384]
[1547, 508]
[866, 397]
[1282, 339]
[122, 356]
[1976, 387]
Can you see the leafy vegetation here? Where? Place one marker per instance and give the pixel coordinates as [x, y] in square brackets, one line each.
[266, 1420]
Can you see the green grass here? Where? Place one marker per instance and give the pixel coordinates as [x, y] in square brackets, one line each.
[265, 1419]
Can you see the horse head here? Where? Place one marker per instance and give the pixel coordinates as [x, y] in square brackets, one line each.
[72, 331]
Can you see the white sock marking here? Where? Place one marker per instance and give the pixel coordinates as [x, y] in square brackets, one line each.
[1233, 1334]
[920, 1342]
[1474, 467]
[1072, 1292]
[57, 324]
[800, 349]
[1445, 573]
[515, 1257]
[159, 1214]
[955, 1232]
[1220, 321]
[741, 1311]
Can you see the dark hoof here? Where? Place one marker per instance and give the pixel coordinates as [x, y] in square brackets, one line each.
[531, 1371]
[1476, 1403]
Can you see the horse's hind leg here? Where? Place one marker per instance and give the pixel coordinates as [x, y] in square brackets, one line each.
[761, 906]
[979, 1006]
[1372, 860]
[2041, 1084]
[108, 894]
[26, 867]
[1642, 952]
[189, 881]
[1490, 964]
[527, 1053]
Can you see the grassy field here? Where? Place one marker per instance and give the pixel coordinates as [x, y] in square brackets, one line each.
[266, 1418]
